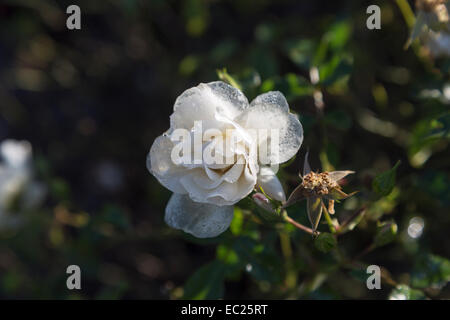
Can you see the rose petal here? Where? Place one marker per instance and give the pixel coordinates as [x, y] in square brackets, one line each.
[270, 117]
[270, 183]
[219, 192]
[204, 102]
[275, 98]
[229, 93]
[211, 179]
[199, 219]
[160, 164]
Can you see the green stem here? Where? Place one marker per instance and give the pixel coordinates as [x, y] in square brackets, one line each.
[328, 218]
[407, 12]
[286, 248]
[225, 76]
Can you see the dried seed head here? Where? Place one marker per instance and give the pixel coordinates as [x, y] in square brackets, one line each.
[428, 5]
[319, 183]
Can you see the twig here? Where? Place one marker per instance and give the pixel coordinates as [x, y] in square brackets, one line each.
[300, 226]
[350, 219]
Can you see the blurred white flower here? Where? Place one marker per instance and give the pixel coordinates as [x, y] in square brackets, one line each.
[109, 176]
[438, 43]
[240, 143]
[18, 191]
[432, 26]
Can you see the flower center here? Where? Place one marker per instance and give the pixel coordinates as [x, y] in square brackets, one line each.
[318, 183]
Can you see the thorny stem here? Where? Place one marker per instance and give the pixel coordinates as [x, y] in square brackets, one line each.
[344, 224]
[300, 226]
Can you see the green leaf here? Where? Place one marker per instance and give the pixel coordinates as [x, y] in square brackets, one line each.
[228, 256]
[300, 52]
[359, 275]
[263, 60]
[325, 242]
[403, 292]
[384, 205]
[426, 136]
[386, 233]
[351, 222]
[259, 259]
[224, 49]
[336, 69]
[431, 271]
[436, 184]
[440, 127]
[338, 119]
[384, 183]
[115, 216]
[237, 222]
[206, 282]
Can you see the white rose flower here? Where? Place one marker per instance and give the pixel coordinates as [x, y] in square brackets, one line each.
[239, 143]
[16, 184]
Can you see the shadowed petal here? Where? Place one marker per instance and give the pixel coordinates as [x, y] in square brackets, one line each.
[270, 183]
[199, 219]
[160, 164]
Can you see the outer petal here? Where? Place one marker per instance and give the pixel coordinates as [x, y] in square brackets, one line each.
[275, 98]
[271, 185]
[229, 93]
[270, 117]
[204, 102]
[199, 219]
[160, 164]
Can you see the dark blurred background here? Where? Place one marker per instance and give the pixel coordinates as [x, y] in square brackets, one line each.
[92, 101]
